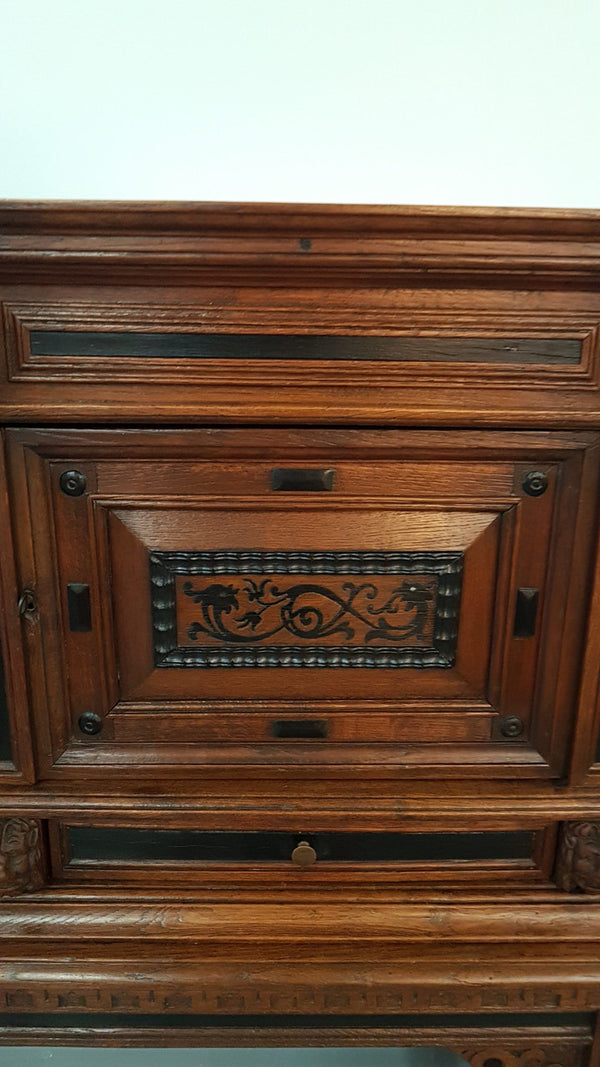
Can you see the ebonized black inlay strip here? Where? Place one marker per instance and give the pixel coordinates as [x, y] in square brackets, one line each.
[103, 844]
[78, 603]
[124, 345]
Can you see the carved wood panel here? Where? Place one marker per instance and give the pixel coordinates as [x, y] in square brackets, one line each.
[21, 860]
[578, 857]
[549, 1053]
[415, 559]
[337, 609]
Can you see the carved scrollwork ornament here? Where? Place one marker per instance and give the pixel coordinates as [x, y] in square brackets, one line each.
[338, 609]
[21, 863]
[578, 857]
[534, 1056]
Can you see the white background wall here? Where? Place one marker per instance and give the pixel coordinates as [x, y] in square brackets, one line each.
[378, 101]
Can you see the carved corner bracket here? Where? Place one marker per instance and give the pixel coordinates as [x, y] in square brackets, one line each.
[578, 857]
[545, 1053]
[21, 859]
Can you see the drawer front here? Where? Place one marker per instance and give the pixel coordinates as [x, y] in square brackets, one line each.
[302, 314]
[106, 854]
[390, 354]
[214, 598]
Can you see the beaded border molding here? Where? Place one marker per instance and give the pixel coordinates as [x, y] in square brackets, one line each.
[166, 566]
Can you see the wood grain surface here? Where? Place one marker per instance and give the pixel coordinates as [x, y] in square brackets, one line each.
[158, 362]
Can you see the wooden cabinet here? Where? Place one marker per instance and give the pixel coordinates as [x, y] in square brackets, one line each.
[300, 633]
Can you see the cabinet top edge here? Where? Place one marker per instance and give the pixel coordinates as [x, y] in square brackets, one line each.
[86, 217]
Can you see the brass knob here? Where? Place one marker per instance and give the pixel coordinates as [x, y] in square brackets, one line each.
[304, 855]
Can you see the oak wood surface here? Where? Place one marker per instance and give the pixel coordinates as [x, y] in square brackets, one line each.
[510, 1045]
[274, 269]
[425, 501]
[493, 320]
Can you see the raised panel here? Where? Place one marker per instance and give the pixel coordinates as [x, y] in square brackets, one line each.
[373, 623]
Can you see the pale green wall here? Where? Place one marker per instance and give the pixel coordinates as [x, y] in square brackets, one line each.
[29, 1057]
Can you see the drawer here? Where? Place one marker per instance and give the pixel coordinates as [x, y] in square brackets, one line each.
[105, 854]
[219, 313]
[411, 355]
[410, 602]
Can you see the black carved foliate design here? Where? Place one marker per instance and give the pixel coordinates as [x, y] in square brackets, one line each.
[308, 611]
[306, 621]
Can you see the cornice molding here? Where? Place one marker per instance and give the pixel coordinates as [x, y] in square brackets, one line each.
[300, 243]
[132, 216]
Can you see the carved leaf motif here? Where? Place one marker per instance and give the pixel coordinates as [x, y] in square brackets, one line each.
[537, 1056]
[21, 866]
[578, 857]
[250, 608]
[310, 611]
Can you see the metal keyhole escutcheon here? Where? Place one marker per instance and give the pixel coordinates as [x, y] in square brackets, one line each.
[27, 604]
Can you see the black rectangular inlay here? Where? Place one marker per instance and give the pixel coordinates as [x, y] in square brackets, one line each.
[384, 609]
[102, 844]
[300, 728]
[284, 480]
[526, 612]
[78, 600]
[5, 746]
[123, 345]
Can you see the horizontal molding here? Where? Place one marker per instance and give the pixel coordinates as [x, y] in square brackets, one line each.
[127, 217]
[471, 806]
[499, 246]
[224, 987]
[551, 1045]
[279, 923]
[581, 1021]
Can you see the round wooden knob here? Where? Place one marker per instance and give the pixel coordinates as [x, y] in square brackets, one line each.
[304, 854]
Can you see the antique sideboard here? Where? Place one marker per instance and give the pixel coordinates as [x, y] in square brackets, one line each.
[300, 638]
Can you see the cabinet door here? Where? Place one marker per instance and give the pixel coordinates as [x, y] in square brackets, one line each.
[320, 601]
